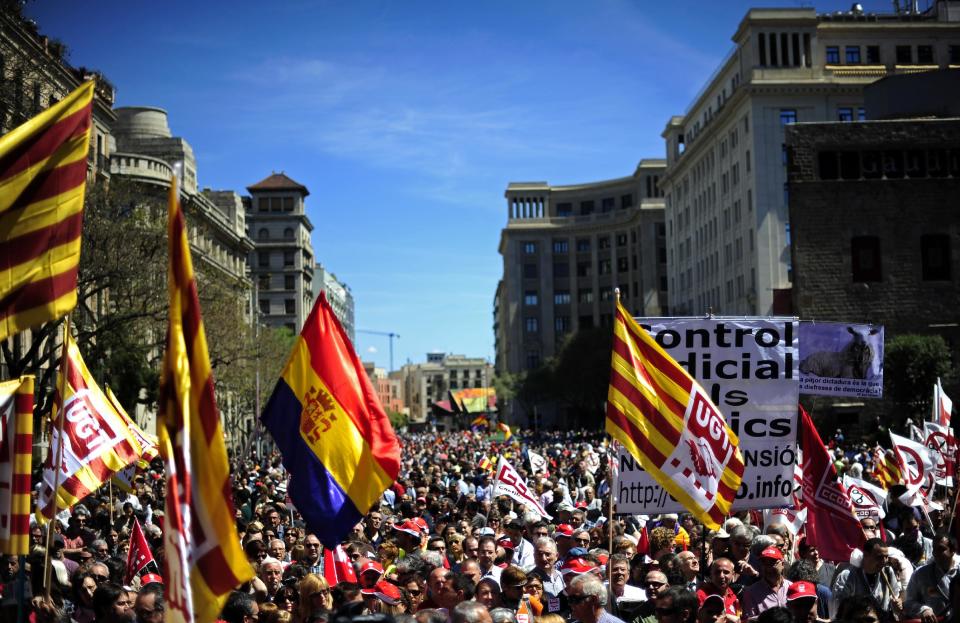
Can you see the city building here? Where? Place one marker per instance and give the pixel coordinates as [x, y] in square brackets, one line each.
[873, 211]
[389, 389]
[282, 262]
[565, 249]
[427, 383]
[338, 295]
[728, 231]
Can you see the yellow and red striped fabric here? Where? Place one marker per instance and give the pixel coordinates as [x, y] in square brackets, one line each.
[16, 463]
[96, 440]
[148, 447]
[668, 423]
[203, 557]
[886, 468]
[43, 170]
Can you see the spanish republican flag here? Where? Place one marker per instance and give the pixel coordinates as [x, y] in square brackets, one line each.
[333, 434]
[16, 459]
[43, 168]
[203, 560]
[668, 423]
[505, 429]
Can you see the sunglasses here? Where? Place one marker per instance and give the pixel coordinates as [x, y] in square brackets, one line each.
[100, 578]
[576, 599]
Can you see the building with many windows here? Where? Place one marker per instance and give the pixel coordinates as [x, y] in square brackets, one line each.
[728, 231]
[338, 295]
[427, 383]
[389, 390]
[565, 249]
[282, 262]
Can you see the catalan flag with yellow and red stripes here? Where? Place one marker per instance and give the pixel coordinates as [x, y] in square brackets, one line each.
[203, 559]
[16, 464]
[43, 169]
[886, 467]
[96, 442]
[668, 423]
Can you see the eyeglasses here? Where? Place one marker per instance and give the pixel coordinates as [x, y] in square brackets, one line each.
[100, 578]
[583, 541]
[415, 592]
[576, 599]
[312, 545]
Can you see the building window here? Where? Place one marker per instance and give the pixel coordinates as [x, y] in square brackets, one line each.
[263, 204]
[288, 258]
[264, 306]
[603, 242]
[853, 54]
[626, 201]
[865, 258]
[604, 267]
[954, 51]
[833, 55]
[290, 306]
[583, 245]
[904, 55]
[263, 234]
[935, 257]
[861, 114]
[529, 248]
[623, 264]
[288, 233]
[561, 324]
[621, 240]
[606, 293]
[275, 204]
[585, 295]
[530, 298]
[925, 54]
[288, 204]
[586, 207]
[762, 48]
[289, 282]
[561, 269]
[263, 282]
[533, 360]
[564, 209]
[529, 271]
[561, 297]
[607, 204]
[873, 54]
[583, 269]
[788, 116]
[263, 259]
[531, 325]
[845, 114]
[560, 246]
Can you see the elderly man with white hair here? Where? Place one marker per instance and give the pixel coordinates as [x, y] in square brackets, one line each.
[587, 598]
[270, 572]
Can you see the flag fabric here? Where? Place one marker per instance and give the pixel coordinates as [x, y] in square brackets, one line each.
[203, 559]
[480, 421]
[668, 423]
[916, 434]
[942, 446]
[508, 482]
[914, 459]
[885, 467]
[43, 169]
[485, 464]
[942, 405]
[139, 557]
[832, 527]
[16, 464]
[148, 448]
[792, 518]
[505, 429]
[96, 440]
[337, 566]
[333, 434]
[868, 499]
[538, 463]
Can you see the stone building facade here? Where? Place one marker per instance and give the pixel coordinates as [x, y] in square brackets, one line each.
[339, 296]
[428, 382]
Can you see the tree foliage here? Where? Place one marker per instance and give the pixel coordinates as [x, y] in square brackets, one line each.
[911, 365]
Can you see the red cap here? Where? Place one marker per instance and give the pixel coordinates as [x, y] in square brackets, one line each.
[371, 565]
[564, 530]
[410, 527]
[422, 524]
[577, 566]
[801, 590]
[581, 504]
[772, 553]
[150, 578]
[506, 543]
[385, 592]
[705, 597]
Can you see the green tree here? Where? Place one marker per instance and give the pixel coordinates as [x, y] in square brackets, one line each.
[911, 365]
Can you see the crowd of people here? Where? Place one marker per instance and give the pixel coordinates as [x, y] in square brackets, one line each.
[441, 547]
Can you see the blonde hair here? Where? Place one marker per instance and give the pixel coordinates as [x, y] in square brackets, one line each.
[310, 584]
[550, 618]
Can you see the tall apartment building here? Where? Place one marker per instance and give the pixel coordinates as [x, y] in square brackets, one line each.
[428, 382]
[338, 295]
[728, 231]
[282, 262]
[565, 249]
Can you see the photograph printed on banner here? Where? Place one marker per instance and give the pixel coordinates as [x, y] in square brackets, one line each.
[841, 359]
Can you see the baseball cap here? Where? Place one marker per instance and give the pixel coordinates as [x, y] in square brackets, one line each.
[721, 534]
[772, 553]
[422, 524]
[150, 578]
[577, 566]
[384, 591]
[408, 526]
[564, 530]
[712, 597]
[371, 565]
[506, 543]
[801, 590]
[485, 531]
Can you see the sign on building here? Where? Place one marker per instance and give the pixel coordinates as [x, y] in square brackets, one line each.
[841, 359]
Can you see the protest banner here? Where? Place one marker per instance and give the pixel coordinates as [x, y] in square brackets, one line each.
[749, 368]
[841, 359]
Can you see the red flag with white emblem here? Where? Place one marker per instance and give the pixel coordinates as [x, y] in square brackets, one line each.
[139, 556]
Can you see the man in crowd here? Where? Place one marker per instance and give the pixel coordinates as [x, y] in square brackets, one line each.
[928, 593]
[689, 568]
[270, 573]
[721, 577]
[149, 606]
[802, 601]
[545, 559]
[676, 605]
[771, 590]
[487, 557]
[587, 598]
[873, 579]
[522, 548]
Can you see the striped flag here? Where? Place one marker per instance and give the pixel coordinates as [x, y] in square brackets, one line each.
[668, 423]
[148, 447]
[16, 464]
[203, 560]
[337, 566]
[43, 168]
[504, 428]
[96, 441]
[333, 434]
[942, 405]
[886, 469]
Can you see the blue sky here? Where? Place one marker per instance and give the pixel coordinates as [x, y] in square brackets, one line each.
[407, 120]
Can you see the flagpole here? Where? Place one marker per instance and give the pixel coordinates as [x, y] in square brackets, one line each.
[47, 566]
[110, 484]
[614, 477]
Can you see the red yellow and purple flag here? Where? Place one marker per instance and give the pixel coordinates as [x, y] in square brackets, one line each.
[334, 436]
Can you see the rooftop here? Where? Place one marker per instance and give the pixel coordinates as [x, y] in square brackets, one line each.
[278, 181]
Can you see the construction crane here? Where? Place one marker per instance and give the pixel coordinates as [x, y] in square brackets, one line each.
[390, 335]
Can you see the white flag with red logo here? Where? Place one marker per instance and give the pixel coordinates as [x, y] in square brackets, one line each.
[943, 448]
[915, 462]
[792, 518]
[942, 405]
[868, 499]
[508, 482]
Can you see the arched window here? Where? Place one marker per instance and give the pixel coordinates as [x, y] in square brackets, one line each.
[288, 233]
[263, 234]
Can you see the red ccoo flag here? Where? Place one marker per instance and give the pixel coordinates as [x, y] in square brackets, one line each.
[832, 526]
[139, 557]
